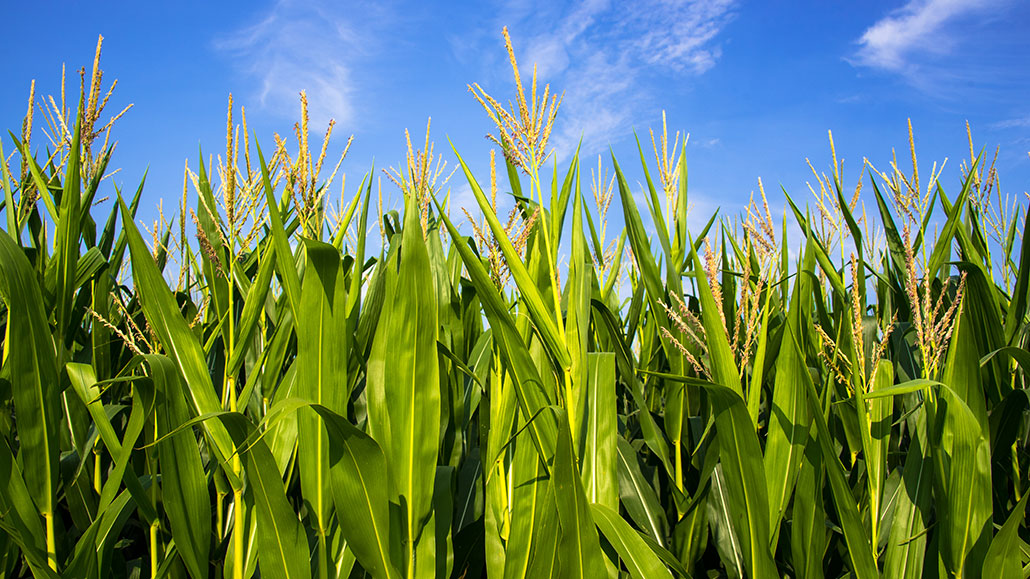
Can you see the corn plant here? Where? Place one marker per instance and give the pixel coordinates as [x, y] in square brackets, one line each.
[254, 388]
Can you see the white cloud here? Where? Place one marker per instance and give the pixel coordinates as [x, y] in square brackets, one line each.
[299, 46]
[918, 28]
[601, 55]
[1017, 123]
[682, 34]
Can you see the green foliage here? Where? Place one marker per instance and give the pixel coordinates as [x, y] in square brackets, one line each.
[262, 399]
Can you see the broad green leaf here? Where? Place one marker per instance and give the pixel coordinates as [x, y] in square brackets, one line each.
[942, 249]
[253, 308]
[497, 458]
[215, 263]
[598, 462]
[788, 417]
[634, 552]
[821, 254]
[21, 520]
[282, 545]
[404, 382]
[283, 255]
[10, 208]
[322, 353]
[657, 299]
[1003, 558]
[1021, 292]
[543, 316]
[84, 383]
[66, 253]
[963, 460]
[93, 551]
[809, 533]
[532, 541]
[638, 497]
[360, 486]
[723, 366]
[654, 206]
[184, 484]
[860, 553]
[741, 459]
[579, 550]
[875, 427]
[906, 544]
[624, 359]
[177, 339]
[578, 387]
[30, 365]
[532, 396]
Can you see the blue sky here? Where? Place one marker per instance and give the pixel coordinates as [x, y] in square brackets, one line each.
[756, 84]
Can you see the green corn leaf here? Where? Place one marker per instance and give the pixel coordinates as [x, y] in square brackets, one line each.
[253, 308]
[741, 459]
[282, 547]
[638, 496]
[942, 249]
[30, 366]
[809, 533]
[598, 462]
[322, 353]
[624, 359]
[860, 554]
[723, 366]
[788, 417]
[10, 207]
[214, 264]
[177, 339]
[498, 426]
[38, 180]
[404, 381]
[895, 245]
[84, 383]
[820, 251]
[1021, 292]
[579, 550]
[875, 426]
[542, 315]
[654, 205]
[139, 413]
[634, 552]
[657, 299]
[66, 254]
[184, 484]
[1003, 558]
[354, 292]
[360, 488]
[906, 544]
[963, 461]
[92, 556]
[531, 550]
[532, 396]
[577, 325]
[648, 269]
[560, 197]
[21, 521]
[283, 255]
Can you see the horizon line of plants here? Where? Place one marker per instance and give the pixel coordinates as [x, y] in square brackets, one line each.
[266, 398]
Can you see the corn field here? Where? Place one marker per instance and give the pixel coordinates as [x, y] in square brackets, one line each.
[276, 383]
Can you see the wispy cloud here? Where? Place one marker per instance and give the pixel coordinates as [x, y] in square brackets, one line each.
[604, 56]
[918, 29]
[299, 46]
[1017, 123]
